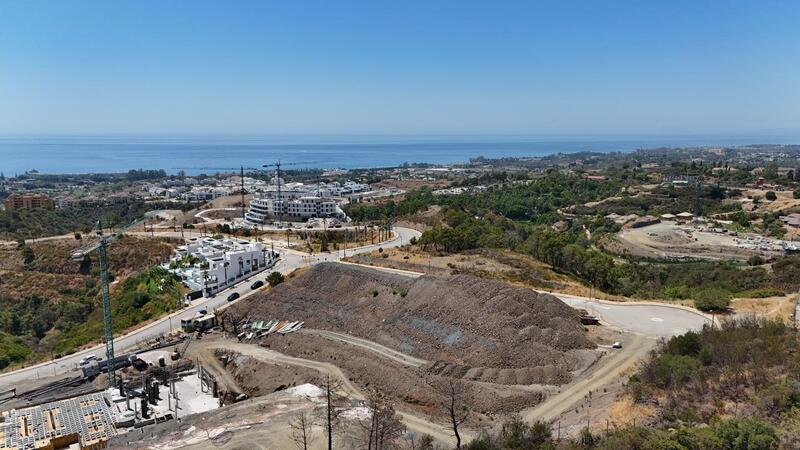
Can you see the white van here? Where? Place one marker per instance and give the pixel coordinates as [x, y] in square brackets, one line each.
[87, 359]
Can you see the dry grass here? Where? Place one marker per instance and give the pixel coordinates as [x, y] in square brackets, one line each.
[770, 307]
[504, 265]
[624, 411]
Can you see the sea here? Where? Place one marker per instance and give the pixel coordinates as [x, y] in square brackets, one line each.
[195, 154]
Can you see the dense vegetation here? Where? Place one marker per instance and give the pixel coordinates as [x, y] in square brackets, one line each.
[528, 217]
[43, 222]
[12, 350]
[747, 367]
[735, 387]
[729, 434]
[532, 200]
[668, 199]
[140, 298]
[49, 303]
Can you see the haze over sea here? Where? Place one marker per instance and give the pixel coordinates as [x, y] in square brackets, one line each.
[210, 154]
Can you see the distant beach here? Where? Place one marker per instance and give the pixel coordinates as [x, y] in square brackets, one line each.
[210, 154]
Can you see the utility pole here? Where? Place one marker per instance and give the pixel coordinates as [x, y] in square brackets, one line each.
[698, 208]
[241, 176]
[280, 211]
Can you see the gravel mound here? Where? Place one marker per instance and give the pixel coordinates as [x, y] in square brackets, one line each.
[468, 327]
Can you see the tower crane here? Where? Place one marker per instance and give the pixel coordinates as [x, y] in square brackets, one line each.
[242, 170]
[101, 247]
[277, 167]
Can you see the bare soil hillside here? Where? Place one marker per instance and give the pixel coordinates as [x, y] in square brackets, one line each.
[468, 327]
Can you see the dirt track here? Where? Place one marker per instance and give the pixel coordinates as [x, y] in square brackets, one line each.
[387, 352]
[413, 422]
[606, 371]
[468, 327]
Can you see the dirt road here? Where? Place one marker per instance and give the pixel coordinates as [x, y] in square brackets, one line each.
[414, 423]
[607, 370]
[205, 356]
[386, 352]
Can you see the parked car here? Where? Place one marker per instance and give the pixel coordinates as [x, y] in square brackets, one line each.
[233, 296]
[203, 311]
[617, 344]
[257, 284]
[87, 359]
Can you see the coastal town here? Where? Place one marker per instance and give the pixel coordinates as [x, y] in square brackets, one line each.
[249, 261]
[518, 225]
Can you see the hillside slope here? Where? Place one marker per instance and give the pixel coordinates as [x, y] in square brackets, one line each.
[468, 327]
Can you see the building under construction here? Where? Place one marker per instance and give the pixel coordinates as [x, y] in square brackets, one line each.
[86, 420]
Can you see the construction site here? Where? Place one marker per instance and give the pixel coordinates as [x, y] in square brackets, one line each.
[670, 240]
[405, 337]
[153, 385]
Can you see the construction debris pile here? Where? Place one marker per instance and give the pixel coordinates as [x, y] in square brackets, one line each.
[468, 327]
[261, 328]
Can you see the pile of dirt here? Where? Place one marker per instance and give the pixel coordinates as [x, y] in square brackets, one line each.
[417, 388]
[258, 378]
[468, 327]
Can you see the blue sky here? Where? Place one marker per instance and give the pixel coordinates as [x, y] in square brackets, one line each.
[374, 67]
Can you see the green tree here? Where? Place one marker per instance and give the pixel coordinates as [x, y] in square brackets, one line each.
[747, 433]
[27, 255]
[275, 278]
[770, 195]
[711, 299]
[12, 350]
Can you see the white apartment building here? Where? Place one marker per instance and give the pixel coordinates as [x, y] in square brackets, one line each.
[210, 264]
[203, 195]
[305, 207]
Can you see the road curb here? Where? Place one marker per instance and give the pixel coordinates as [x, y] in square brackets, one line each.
[632, 303]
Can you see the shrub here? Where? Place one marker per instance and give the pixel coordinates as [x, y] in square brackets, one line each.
[12, 350]
[275, 278]
[688, 344]
[27, 255]
[779, 397]
[712, 299]
[755, 260]
[770, 195]
[747, 433]
[668, 370]
[761, 293]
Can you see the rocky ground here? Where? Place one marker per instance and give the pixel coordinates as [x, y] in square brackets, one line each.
[510, 346]
[469, 327]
